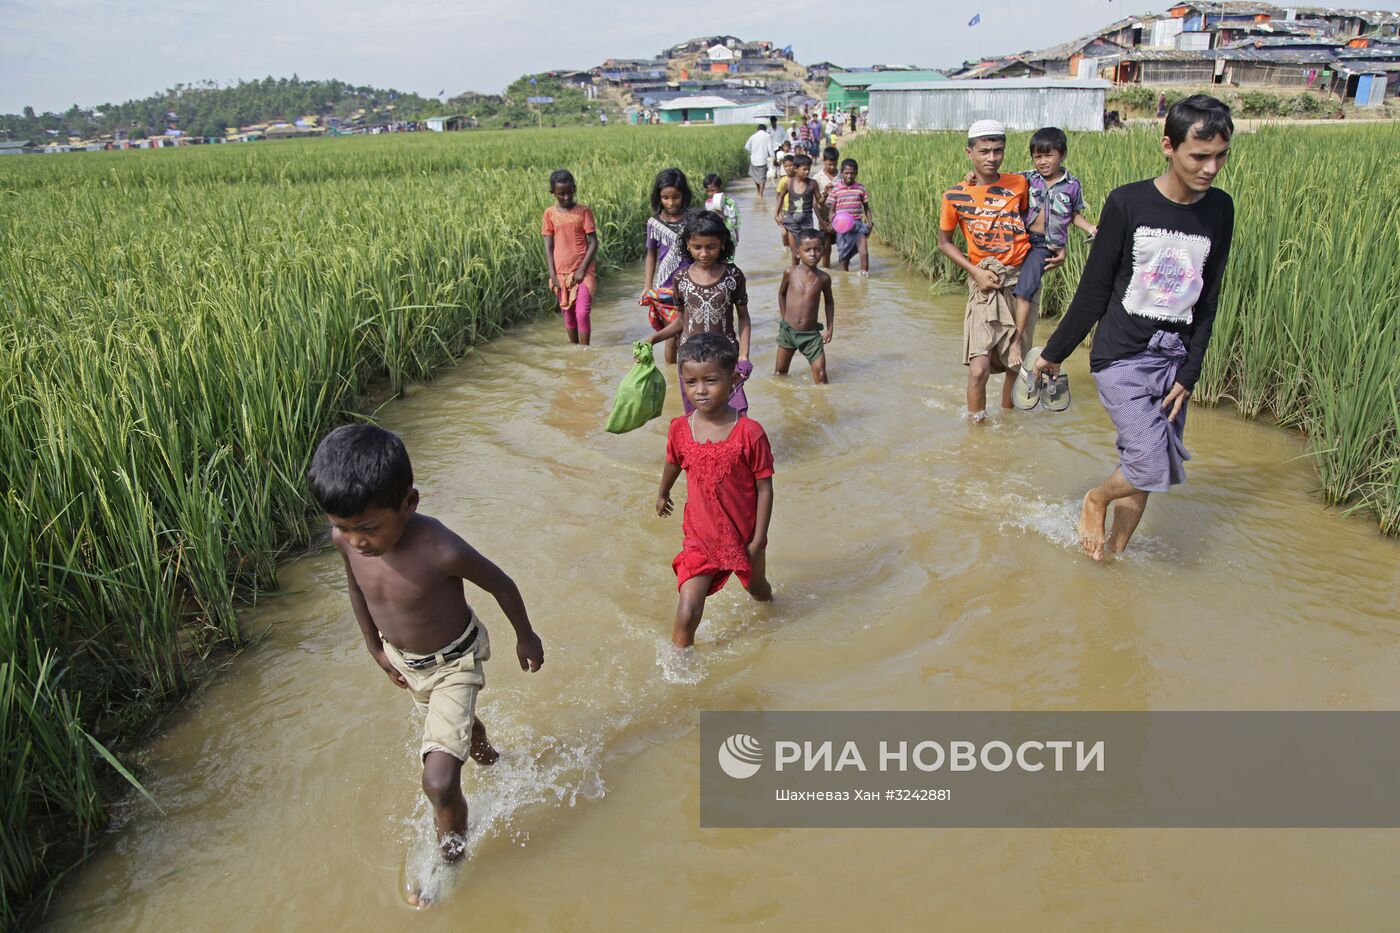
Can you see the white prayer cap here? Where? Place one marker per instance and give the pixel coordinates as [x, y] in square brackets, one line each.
[986, 128]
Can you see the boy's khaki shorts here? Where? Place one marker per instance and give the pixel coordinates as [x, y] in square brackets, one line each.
[447, 694]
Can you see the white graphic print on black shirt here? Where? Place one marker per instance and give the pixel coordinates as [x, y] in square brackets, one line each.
[1148, 271]
[1167, 274]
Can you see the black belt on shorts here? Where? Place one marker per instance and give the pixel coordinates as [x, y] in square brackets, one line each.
[430, 661]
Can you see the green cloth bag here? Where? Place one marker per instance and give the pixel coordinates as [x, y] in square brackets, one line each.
[640, 396]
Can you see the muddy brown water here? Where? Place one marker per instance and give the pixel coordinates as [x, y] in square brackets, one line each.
[920, 563]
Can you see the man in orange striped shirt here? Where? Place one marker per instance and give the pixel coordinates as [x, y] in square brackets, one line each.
[990, 214]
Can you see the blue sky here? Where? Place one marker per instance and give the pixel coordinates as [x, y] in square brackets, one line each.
[55, 53]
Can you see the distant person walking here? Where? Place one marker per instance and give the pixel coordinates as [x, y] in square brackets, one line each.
[1161, 106]
[719, 202]
[776, 133]
[799, 204]
[1151, 284]
[760, 149]
[570, 246]
[848, 196]
[670, 204]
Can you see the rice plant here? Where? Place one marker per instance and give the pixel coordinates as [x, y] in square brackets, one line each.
[177, 330]
[1307, 330]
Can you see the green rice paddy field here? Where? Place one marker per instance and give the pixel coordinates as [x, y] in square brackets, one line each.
[177, 329]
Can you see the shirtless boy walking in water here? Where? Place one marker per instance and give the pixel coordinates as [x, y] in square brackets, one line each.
[799, 296]
[405, 571]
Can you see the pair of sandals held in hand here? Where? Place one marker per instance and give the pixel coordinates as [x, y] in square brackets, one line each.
[1028, 391]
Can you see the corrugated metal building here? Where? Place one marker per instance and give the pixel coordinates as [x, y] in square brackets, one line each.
[1244, 67]
[1166, 66]
[692, 109]
[746, 114]
[1370, 90]
[1022, 104]
[849, 90]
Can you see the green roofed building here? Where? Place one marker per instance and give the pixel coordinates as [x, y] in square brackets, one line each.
[851, 89]
[692, 109]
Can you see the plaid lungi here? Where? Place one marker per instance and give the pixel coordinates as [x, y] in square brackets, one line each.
[1151, 452]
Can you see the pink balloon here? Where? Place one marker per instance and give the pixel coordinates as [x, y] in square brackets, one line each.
[843, 222]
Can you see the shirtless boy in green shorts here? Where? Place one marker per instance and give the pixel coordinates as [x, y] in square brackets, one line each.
[404, 571]
[799, 296]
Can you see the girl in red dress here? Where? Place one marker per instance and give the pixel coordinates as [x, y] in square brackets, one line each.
[728, 480]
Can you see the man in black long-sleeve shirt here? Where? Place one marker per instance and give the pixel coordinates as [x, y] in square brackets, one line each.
[1151, 284]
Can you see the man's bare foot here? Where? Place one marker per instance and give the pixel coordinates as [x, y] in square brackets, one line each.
[482, 751]
[1091, 524]
[418, 899]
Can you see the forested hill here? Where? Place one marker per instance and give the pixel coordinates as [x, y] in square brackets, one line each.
[206, 109]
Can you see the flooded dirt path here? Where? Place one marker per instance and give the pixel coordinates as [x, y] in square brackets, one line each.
[920, 563]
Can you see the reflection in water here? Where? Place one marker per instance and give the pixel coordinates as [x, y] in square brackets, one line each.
[919, 564]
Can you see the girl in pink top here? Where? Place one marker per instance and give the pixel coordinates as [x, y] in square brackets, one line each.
[570, 245]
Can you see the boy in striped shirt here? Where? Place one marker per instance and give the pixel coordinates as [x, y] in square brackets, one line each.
[848, 196]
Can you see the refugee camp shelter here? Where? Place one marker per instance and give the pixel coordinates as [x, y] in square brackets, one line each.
[848, 90]
[1369, 90]
[692, 109]
[447, 124]
[1020, 103]
[722, 58]
[747, 113]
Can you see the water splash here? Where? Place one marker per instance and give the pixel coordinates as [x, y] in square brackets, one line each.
[986, 418]
[426, 879]
[680, 665]
[533, 770]
[947, 399]
[1058, 522]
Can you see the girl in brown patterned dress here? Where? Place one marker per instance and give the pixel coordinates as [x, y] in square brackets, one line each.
[711, 296]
